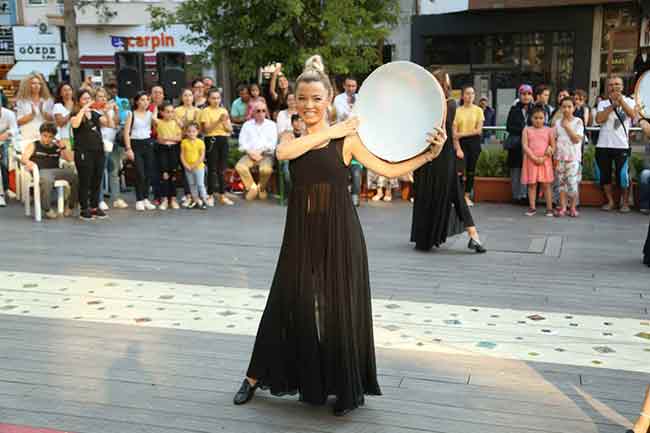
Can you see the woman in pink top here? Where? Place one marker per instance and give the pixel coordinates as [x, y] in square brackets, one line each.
[538, 143]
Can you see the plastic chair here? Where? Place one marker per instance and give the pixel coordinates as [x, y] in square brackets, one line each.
[30, 181]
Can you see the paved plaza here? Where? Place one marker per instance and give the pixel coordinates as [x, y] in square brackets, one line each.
[145, 322]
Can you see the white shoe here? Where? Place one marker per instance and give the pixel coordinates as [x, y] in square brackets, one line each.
[103, 206]
[3, 203]
[163, 204]
[51, 214]
[225, 200]
[120, 204]
[139, 206]
[210, 201]
[148, 205]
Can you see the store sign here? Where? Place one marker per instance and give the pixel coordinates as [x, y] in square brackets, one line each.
[31, 44]
[7, 15]
[150, 43]
[101, 41]
[6, 42]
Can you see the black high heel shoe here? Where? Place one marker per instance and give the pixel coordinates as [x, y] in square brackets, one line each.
[245, 393]
[476, 246]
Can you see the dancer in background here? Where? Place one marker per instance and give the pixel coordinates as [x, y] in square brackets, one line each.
[468, 127]
[439, 209]
[315, 336]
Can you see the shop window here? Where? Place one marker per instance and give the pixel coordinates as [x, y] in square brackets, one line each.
[619, 43]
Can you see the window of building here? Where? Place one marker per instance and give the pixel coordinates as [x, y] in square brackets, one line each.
[619, 43]
[37, 2]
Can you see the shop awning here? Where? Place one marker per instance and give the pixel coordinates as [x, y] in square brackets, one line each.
[101, 62]
[22, 69]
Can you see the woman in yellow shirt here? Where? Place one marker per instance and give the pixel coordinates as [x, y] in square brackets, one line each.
[467, 130]
[216, 127]
[187, 112]
[169, 135]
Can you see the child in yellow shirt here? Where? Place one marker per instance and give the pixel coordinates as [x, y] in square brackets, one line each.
[192, 155]
[169, 135]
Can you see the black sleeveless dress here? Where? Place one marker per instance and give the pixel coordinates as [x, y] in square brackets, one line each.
[315, 336]
[646, 246]
[439, 209]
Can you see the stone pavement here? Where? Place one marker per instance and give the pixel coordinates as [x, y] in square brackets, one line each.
[145, 323]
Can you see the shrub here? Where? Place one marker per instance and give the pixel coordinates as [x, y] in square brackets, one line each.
[493, 163]
[588, 163]
[233, 152]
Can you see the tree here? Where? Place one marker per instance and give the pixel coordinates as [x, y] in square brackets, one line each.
[70, 7]
[252, 33]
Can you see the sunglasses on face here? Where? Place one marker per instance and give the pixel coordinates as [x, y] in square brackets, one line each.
[260, 111]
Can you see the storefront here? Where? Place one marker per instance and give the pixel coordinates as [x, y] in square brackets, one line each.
[7, 21]
[496, 50]
[97, 47]
[37, 50]
[620, 44]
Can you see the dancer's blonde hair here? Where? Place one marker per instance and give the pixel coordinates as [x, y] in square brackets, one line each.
[25, 91]
[314, 72]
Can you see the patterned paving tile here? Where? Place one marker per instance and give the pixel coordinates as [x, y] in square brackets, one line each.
[513, 334]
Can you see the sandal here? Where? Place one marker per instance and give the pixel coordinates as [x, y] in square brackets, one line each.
[607, 207]
[574, 213]
[560, 212]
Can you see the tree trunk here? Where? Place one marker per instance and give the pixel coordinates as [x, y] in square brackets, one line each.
[72, 42]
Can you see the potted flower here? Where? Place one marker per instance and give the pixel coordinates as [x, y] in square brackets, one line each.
[492, 181]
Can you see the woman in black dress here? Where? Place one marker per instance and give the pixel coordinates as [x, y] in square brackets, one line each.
[645, 126]
[439, 209]
[315, 336]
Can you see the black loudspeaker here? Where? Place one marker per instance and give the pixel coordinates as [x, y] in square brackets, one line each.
[129, 70]
[171, 72]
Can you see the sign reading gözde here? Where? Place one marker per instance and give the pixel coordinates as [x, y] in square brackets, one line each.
[31, 44]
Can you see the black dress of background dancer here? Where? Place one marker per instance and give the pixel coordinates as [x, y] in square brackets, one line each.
[439, 209]
[315, 336]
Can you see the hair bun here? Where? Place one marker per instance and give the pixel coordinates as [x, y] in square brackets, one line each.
[315, 63]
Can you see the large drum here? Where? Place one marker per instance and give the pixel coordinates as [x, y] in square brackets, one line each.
[398, 105]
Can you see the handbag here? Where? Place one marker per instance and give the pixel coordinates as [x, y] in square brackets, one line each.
[512, 142]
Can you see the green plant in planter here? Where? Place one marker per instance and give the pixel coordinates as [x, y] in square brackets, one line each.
[589, 163]
[636, 163]
[234, 155]
[493, 163]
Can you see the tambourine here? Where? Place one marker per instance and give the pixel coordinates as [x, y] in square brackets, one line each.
[398, 105]
[642, 95]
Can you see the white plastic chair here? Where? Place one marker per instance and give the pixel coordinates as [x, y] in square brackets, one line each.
[27, 181]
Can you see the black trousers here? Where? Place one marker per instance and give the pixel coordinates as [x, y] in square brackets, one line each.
[144, 164]
[216, 155]
[90, 170]
[472, 149]
[168, 161]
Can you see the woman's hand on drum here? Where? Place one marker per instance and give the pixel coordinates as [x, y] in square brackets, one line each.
[343, 129]
[437, 140]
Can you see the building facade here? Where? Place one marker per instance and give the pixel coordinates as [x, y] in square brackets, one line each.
[495, 45]
[39, 38]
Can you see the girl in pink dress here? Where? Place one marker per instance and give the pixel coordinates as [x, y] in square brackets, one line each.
[538, 143]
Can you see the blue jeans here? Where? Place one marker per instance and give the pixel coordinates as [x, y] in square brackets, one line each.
[644, 189]
[196, 181]
[112, 169]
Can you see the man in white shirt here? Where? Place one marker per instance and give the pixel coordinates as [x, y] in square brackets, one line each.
[615, 116]
[258, 139]
[344, 103]
[8, 131]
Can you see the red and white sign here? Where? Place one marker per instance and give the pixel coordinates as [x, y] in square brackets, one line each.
[105, 41]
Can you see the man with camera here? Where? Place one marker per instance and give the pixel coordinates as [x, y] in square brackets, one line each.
[615, 116]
